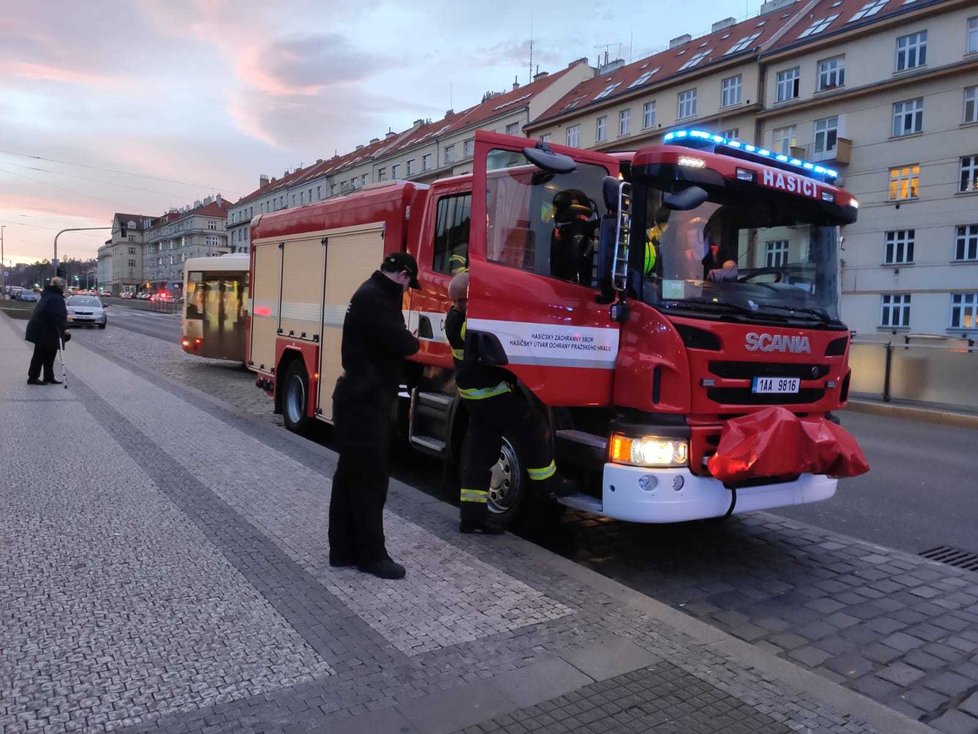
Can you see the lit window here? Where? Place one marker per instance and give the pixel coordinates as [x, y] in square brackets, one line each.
[964, 310]
[831, 73]
[895, 311]
[607, 90]
[695, 59]
[648, 115]
[908, 117]
[624, 118]
[784, 139]
[742, 44]
[870, 8]
[600, 130]
[574, 135]
[818, 26]
[911, 51]
[966, 242]
[730, 90]
[686, 104]
[789, 82]
[644, 78]
[969, 173]
[899, 246]
[971, 104]
[826, 135]
[904, 182]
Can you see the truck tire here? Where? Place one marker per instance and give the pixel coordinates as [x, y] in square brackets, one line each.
[295, 397]
[511, 497]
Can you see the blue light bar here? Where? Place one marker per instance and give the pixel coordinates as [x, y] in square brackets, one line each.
[687, 136]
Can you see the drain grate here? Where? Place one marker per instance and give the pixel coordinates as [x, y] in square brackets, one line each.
[953, 557]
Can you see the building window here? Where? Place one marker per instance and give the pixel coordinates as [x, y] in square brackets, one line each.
[969, 173]
[696, 59]
[449, 154]
[648, 114]
[426, 162]
[911, 51]
[606, 91]
[732, 133]
[513, 128]
[131, 238]
[776, 253]
[319, 189]
[899, 247]
[395, 171]
[742, 44]
[789, 82]
[730, 90]
[409, 167]
[964, 310]
[870, 8]
[971, 104]
[381, 174]
[546, 138]
[574, 135]
[826, 135]
[363, 180]
[831, 73]
[784, 139]
[818, 26]
[966, 243]
[600, 129]
[895, 310]
[132, 263]
[904, 181]
[972, 43]
[687, 104]
[624, 121]
[132, 250]
[908, 117]
[468, 148]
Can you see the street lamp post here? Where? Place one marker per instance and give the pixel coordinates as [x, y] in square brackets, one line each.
[54, 263]
[3, 268]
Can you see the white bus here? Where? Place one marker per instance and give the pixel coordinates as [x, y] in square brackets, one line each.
[215, 309]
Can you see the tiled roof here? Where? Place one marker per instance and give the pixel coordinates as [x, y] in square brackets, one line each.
[137, 218]
[739, 39]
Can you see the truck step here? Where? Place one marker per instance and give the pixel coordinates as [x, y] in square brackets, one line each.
[584, 502]
[429, 444]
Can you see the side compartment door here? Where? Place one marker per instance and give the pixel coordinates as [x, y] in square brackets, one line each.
[302, 287]
[352, 254]
[267, 296]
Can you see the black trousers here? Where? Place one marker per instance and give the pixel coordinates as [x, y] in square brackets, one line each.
[489, 419]
[356, 507]
[42, 360]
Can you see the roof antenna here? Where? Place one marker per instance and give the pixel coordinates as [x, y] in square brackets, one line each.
[528, 81]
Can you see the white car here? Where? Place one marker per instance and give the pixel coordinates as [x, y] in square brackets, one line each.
[86, 310]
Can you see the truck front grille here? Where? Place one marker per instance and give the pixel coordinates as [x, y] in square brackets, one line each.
[750, 370]
[744, 396]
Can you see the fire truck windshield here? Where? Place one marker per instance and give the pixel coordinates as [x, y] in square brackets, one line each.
[769, 260]
[544, 222]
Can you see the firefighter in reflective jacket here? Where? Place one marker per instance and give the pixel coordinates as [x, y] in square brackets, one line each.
[493, 410]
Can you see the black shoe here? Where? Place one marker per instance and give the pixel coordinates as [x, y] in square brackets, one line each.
[52, 381]
[340, 561]
[34, 381]
[485, 527]
[385, 569]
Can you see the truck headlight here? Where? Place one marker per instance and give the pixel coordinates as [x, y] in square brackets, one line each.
[649, 451]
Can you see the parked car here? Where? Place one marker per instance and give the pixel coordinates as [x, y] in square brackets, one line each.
[87, 310]
[28, 295]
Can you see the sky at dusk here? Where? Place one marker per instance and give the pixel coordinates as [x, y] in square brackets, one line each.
[138, 106]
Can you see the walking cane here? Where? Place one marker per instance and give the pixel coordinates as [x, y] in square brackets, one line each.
[61, 354]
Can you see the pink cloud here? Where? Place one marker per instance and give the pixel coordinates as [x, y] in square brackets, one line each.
[46, 72]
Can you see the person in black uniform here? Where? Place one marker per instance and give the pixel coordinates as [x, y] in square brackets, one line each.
[46, 329]
[375, 342]
[493, 410]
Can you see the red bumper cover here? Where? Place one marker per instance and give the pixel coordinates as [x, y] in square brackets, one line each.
[774, 442]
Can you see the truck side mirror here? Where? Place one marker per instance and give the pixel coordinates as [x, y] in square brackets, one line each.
[689, 198]
[545, 159]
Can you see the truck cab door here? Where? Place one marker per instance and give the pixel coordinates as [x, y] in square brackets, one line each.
[533, 292]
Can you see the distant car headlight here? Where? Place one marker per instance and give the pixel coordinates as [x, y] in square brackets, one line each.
[649, 451]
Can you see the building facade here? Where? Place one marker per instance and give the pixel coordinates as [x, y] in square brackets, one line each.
[198, 231]
[120, 259]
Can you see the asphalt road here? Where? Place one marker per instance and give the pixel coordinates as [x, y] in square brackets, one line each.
[139, 317]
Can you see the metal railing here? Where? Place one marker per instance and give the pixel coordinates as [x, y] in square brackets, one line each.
[165, 306]
[936, 370]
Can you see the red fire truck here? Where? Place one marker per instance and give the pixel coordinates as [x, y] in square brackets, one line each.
[642, 302]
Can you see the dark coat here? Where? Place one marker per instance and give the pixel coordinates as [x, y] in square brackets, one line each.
[49, 320]
[375, 343]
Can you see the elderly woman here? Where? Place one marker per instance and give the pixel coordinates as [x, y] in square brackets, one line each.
[46, 329]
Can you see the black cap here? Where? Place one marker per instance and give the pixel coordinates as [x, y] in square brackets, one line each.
[402, 261]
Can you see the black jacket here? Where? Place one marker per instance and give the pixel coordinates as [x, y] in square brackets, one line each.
[375, 342]
[469, 374]
[49, 320]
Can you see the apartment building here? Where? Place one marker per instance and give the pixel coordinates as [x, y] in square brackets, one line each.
[425, 151]
[120, 259]
[197, 231]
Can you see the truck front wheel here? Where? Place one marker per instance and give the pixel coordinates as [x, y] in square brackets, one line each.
[295, 397]
[512, 500]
